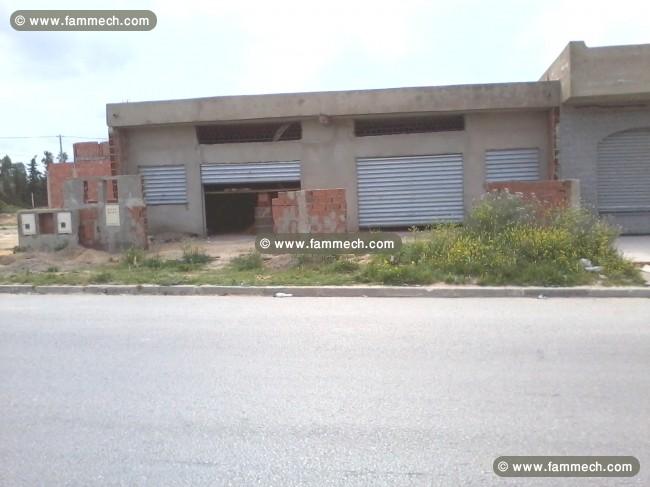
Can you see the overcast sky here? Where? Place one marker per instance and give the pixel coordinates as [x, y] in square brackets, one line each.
[59, 82]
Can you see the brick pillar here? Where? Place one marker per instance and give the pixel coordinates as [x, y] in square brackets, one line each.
[116, 151]
[263, 215]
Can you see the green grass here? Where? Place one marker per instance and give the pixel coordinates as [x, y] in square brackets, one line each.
[247, 262]
[504, 241]
[135, 267]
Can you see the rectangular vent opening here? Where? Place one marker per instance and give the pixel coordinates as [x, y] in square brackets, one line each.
[408, 125]
[248, 132]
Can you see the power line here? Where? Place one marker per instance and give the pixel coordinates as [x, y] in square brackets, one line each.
[31, 137]
[53, 137]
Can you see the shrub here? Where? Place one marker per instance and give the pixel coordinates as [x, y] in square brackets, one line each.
[499, 210]
[509, 240]
[195, 255]
[247, 262]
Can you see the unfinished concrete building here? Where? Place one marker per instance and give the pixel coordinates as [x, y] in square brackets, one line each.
[406, 156]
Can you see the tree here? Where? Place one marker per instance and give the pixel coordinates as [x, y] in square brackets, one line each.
[37, 183]
[6, 187]
[19, 182]
[48, 158]
[62, 157]
[33, 180]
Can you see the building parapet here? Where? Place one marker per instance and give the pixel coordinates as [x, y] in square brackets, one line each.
[459, 98]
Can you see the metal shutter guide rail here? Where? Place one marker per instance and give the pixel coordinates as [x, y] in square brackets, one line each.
[164, 185]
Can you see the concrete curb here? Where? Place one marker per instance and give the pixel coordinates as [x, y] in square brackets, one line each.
[339, 291]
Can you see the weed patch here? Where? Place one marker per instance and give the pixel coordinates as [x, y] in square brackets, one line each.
[247, 262]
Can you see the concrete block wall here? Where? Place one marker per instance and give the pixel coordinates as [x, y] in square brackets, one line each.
[310, 211]
[46, 235]
[95, 229]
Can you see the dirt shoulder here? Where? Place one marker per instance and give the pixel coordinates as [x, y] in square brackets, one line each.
[221, 250]
[8, 233]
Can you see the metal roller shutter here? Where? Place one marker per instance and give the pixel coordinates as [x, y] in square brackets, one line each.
[512, 165]
[415, 190]
[251, 172]
[164, 185]
[624, 172]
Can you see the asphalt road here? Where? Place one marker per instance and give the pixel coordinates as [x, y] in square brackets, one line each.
[99, 390]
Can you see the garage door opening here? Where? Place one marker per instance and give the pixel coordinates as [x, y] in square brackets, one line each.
[238, 195]
[230, 213]
[241, 209]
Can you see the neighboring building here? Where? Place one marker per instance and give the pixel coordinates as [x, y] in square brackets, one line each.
[406, 156]
[604, 129]
[91, 160]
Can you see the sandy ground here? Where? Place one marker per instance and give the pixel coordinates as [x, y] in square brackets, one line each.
[221, 248]
[8, 233]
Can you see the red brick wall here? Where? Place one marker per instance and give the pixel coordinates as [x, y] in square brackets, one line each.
[90, 151]
[310, 211]
[87, 227]
[551, 193]
[91, 159]
[58, 173]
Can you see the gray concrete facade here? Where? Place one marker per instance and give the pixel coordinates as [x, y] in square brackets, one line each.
[599, 91]
[581, 129]
[605, 91]
[327, 154]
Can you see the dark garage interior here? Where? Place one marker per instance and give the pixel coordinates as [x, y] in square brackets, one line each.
[244, 208]
[230, 213]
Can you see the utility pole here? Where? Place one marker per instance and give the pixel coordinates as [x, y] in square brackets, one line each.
[60, 148]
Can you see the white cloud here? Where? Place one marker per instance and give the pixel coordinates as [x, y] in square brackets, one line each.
[60, 82]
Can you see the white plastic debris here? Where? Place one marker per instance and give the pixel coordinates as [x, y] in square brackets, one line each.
[589, 267]
[594, 268]
[282, 295]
